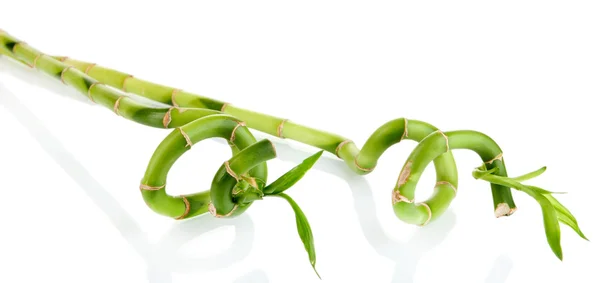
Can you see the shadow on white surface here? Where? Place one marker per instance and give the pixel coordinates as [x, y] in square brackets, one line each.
[162, 258]
[255, 276]
[406, 254]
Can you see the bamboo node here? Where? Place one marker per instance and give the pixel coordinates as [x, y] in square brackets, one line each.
[125, 81]
[230, 172]
[87, 70]
[428, 213]
[213, 211]
[187, 208]
[398, 197]
[445, 137]
[361, 168]
[17, 44]
[405, 134]
[150, 188]
[280, 129]
[339, 147]
[89, 93]
[167, 118]
[34, 64]
[186, 137]
[239, 124]
[173, 94]
[62, 74]
[64, 58]
[497, 157]
[404, 174]
[447, 183]
[224, 106]
[116, 107]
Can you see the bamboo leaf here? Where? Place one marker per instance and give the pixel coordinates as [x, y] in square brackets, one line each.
[291, 177]
[565, 216]
[481, 171]
[551, 223]
[549, 212]
[544, 192]
[304, 231]
[530, 175]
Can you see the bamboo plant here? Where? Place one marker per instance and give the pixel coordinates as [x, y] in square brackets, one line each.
[242, 179]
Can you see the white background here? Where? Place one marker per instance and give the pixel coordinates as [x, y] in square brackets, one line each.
[524, 72]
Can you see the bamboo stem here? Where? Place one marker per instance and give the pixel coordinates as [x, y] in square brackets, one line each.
[190, 125]
[184, 107]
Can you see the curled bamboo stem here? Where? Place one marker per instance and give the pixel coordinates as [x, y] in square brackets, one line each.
[241, 179]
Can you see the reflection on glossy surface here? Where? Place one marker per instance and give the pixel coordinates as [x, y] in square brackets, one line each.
[164, 257]
[407, 254]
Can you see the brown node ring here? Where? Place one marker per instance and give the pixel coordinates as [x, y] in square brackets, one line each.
[62, 74]
[34, 64]
[117, 103]
[213, 211]
[230, 172]
[497, 157]
[447, 183]
[87, 70]
[405, 134]
[167, 118]
[224, 106]
[361, 168]
[17, 44]
[239, 124]
[89, 93]
[145, 187]
[428, 211]
[339, 147]
[125, 81]
[447, 142]
[173, 94]
[187, 208]
[280, 129]
[397, 197]
[186, 137]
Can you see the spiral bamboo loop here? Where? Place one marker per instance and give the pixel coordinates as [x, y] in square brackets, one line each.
[199, 118]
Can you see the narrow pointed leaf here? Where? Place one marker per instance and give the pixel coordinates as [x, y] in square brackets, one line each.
[531, 175]
[481, 171]
[551, 224]
[549, 213]
[565, 216]
[291, 177]
[543, 191]
[304, 231]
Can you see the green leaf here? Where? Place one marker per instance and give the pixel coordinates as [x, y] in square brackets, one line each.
[291, 177]
[481, 171]
[565, 216]
[530, 175]
[544, 192]
[551, 224]
[304, 231]
[549, 212]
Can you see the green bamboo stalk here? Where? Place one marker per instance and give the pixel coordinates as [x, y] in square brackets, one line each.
[361, 161]
[241, 180]
[190, 125]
